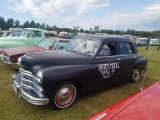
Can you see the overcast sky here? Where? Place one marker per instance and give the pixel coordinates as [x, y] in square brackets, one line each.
[107, 14]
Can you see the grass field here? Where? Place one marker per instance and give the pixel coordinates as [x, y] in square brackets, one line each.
[14, 108]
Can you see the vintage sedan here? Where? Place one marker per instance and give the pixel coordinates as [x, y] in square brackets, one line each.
[143, 105]
[87, 64]
[11, 55]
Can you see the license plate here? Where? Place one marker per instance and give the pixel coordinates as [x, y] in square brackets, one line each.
[15, 88]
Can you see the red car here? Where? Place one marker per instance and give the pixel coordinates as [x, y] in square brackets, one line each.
[143, 105]
[10, 56]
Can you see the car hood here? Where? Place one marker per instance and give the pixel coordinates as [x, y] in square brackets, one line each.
[143, 105]
[22, 50]
[54, 58]
[11, 44]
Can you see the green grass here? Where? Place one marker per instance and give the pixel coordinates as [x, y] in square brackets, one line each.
[14, 108]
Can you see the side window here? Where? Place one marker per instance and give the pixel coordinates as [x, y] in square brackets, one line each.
[61, 45]
[108, 49]
[112, 46]
[125, 48]
[36, 34]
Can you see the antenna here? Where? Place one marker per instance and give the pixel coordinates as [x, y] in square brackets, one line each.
[145, 70]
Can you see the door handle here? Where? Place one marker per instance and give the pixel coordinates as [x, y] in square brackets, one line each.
[134, 57]
[118, 59]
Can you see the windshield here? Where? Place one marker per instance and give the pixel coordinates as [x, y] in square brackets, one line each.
[24, 33]
[88, 46]
[47, 43]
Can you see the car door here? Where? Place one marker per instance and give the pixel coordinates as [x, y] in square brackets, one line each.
[36, 37]
[108, 66]
[127, 58]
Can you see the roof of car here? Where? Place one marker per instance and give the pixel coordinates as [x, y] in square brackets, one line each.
[103, 37]
[62, 39]
[38, 29]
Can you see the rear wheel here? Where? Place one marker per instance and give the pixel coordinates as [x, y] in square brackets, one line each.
[137, 74]
[65, 95]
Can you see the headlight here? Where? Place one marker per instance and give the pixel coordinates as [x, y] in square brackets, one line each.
[39, 77]
[19, 61]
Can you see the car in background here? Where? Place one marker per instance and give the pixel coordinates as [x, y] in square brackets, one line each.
[154, 42]
[87, 64]
[28, 37]
[5, 34]
[63, 34]
[11, 55]
[143, 105]
[15, 34]
[141, 41]
[66, 35]
[70, 35]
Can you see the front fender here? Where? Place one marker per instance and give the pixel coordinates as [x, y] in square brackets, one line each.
[67, 72]
[55, 75]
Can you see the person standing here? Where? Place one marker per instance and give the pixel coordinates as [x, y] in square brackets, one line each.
[148, 40]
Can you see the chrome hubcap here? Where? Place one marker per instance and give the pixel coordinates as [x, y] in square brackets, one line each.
[137, 75]
[65, 96]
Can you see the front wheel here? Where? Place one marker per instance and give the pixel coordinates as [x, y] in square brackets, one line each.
[65, 95]
[137, 74]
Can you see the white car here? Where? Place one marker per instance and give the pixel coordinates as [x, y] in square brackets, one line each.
[154, 42]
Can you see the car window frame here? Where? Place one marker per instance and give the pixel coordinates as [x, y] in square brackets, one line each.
[131, 45]
[103, 43]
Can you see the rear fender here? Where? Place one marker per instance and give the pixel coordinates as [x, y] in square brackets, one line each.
[141, 63]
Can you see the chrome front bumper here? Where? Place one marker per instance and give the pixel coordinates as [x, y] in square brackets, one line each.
[10, 65]
[33, 100]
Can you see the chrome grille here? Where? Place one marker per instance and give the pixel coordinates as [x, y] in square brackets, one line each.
[28, 80]
[6, 59]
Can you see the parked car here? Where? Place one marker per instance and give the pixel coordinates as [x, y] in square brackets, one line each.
[154, 42]
[11, 55]
[15, 34]
[141, 42]
[143, 105]
[5, 34]
[63, 34]
[87, 64]
[70, 35]
[28, 37]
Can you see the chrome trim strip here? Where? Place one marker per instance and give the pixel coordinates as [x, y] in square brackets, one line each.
[25, 71]
[41, 95]
[29, 75]
[29, 81]
[115, 55]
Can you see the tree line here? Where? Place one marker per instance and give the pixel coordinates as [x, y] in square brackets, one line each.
[11, 23]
